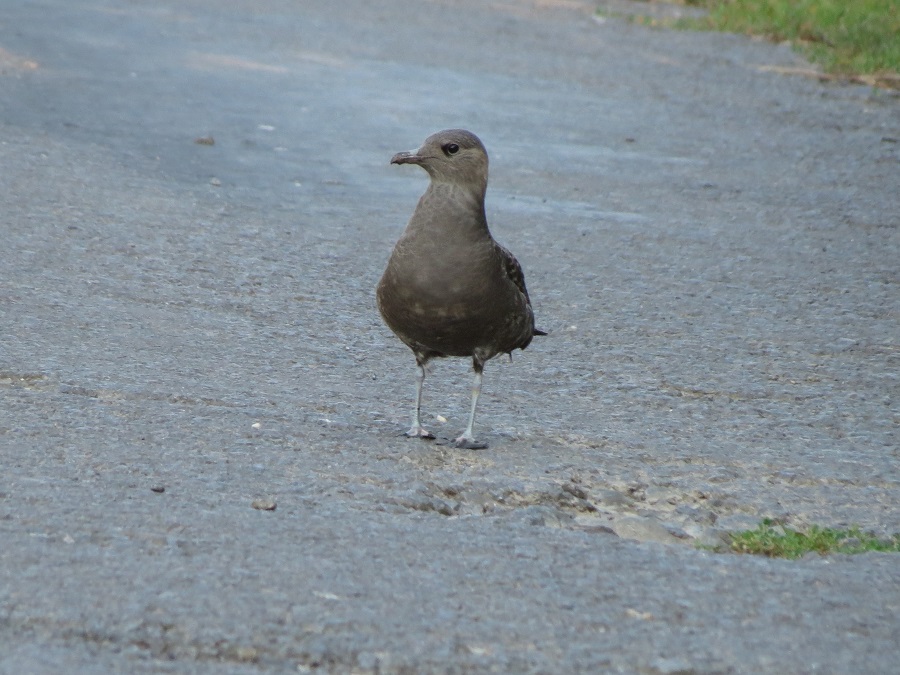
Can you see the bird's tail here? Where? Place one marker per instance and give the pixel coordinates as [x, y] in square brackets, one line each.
[538, 331]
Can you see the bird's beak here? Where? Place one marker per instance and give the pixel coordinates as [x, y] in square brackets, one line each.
[407, 158]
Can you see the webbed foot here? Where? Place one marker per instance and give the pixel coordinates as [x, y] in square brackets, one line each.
[420, 432]
[469, 443]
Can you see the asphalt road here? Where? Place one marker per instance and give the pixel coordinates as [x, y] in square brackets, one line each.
[189, 338]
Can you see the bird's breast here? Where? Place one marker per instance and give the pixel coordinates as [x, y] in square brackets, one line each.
[444, 305]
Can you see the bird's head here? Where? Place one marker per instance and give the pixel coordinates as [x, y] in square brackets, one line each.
[453, 156]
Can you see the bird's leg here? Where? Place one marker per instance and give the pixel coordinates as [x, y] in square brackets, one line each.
[467, 440]
[417, 430]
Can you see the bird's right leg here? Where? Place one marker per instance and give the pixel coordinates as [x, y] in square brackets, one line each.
[417, 430]
[467, 440]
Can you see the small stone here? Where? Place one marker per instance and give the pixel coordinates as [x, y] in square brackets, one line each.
[597, 529]
[696, 515]
[246, 653]
[611, 498]
[643, 529]
[215, 182]
[543, 516]
[479, 650]
[670, 666]
[655, 495]
[158, 488]
[574, 490]
[264, 504]
[205, 140]
[705, 535]
[425, 504]
[632, 613]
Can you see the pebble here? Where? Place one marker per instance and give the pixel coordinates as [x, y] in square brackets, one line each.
[643, 529]
[264, 504]
[670, 666]
[611, 498]
[705, 535]
[544, 516]
[658, 495]
[246, 654]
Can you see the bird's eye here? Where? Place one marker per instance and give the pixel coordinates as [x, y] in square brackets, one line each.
[451, 149]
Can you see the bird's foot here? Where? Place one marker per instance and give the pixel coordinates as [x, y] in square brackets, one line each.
[419, 432]
[469, 443]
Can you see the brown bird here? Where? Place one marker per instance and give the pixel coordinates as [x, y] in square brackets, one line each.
[449, 289]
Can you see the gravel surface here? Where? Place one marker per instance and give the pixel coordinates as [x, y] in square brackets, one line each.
[201, 460]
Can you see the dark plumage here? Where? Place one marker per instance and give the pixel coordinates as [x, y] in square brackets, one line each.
[449, 289]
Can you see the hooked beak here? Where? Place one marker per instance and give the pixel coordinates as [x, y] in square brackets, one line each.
[407, 158]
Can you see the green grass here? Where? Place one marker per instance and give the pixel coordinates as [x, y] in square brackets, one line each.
[776, 541]
[845, 36]
[857, 39]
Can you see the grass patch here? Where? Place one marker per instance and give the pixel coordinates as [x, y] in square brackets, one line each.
[847, 37]
[855, 39]
[776, 541]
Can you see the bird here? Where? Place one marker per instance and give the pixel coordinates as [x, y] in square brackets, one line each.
[449, 289]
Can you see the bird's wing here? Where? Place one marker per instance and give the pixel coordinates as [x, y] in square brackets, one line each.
[514, 273]
[513, 270]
